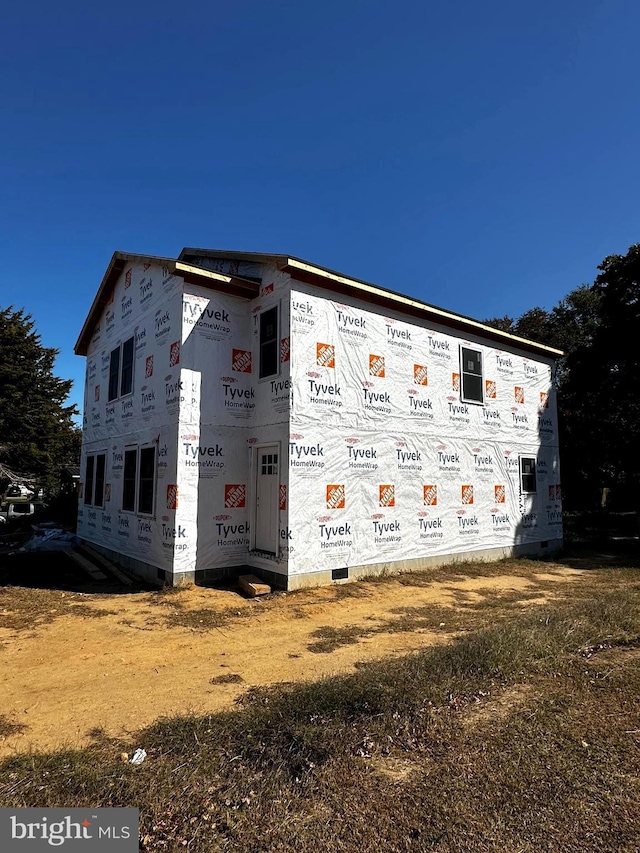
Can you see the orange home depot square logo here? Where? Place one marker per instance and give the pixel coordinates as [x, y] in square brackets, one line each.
[430, 495]
[376, 365]
[174, 354]
[283, 496]
[148, 367]
[518, 393]
[544, 399]
[455, 381]
[500, 494]
[241, 361]
[285, 349]
[235, 495]
[467, 494]
[335, 496]
[490, 391]
[387, 495]
[172, 496]
[420, 374]
[325, 355]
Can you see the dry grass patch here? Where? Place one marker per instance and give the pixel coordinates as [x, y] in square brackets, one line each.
[23, 608]
[299, 766]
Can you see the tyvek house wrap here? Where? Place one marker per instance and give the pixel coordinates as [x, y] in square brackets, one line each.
[387, 463]
[146, 304]
[231, 412]
[197, 399]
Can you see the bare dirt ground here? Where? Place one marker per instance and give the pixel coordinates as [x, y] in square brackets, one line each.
[75, 664]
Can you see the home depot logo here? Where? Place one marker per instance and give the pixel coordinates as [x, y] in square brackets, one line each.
[387, 495]
[455, 382]
[325, 355]
[335, 496]
[420, 374]
[430, 495]
[172, 496]
[467, 495]
[376, 365]
[174, 354]
[555, 492]
[544, 400]
[235, 496]
[490, 390]
[518, 393]
[285, 350]
[241, 361]
[282, 504]
[499, 494]
[148, 367]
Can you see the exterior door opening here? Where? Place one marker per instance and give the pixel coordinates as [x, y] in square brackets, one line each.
[266, 502]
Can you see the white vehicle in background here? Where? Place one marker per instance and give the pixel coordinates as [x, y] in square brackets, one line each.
[16, 511]
[19, 491]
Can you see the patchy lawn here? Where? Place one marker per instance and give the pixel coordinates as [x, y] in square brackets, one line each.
[489, 707]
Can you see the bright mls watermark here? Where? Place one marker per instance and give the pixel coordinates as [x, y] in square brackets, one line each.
[103, 830]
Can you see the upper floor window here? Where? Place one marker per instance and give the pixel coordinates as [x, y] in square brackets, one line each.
[471, 376]
[269, 343]
[94, 479]
[121, 370]
[528, 475]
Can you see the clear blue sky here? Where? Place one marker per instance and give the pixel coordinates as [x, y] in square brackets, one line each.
[484, 157]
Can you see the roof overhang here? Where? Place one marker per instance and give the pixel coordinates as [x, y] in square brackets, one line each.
[303, 271]
[194, 275]
[330, 280]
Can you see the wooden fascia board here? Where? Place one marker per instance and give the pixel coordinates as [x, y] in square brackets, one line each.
[216, 281]
[405, 305]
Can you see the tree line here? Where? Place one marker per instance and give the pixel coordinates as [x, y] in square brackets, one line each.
[598, 381]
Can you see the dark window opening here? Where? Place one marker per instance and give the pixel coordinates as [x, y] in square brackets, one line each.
[121, 370]
[147, 480]
[129, 480]
[471, 376]
[528, 474]
[98, 499]
[126, 383]
[94, 479]
[269, 343]
[88, 481]
[114, 373]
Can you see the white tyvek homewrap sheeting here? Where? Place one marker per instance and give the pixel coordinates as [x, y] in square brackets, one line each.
[146, 304]
[387, 463]
[229, 413]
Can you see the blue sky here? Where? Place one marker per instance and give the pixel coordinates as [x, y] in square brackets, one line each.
[482, 157]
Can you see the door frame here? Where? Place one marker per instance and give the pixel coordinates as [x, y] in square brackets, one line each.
[255, 468]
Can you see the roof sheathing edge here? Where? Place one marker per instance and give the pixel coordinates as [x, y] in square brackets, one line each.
[414, 306]
[115, 268]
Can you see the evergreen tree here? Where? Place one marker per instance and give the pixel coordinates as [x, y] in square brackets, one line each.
[37, 432]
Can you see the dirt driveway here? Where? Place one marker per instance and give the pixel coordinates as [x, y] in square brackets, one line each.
[73, 664]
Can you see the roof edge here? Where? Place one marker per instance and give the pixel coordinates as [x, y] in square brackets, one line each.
[405, 302]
